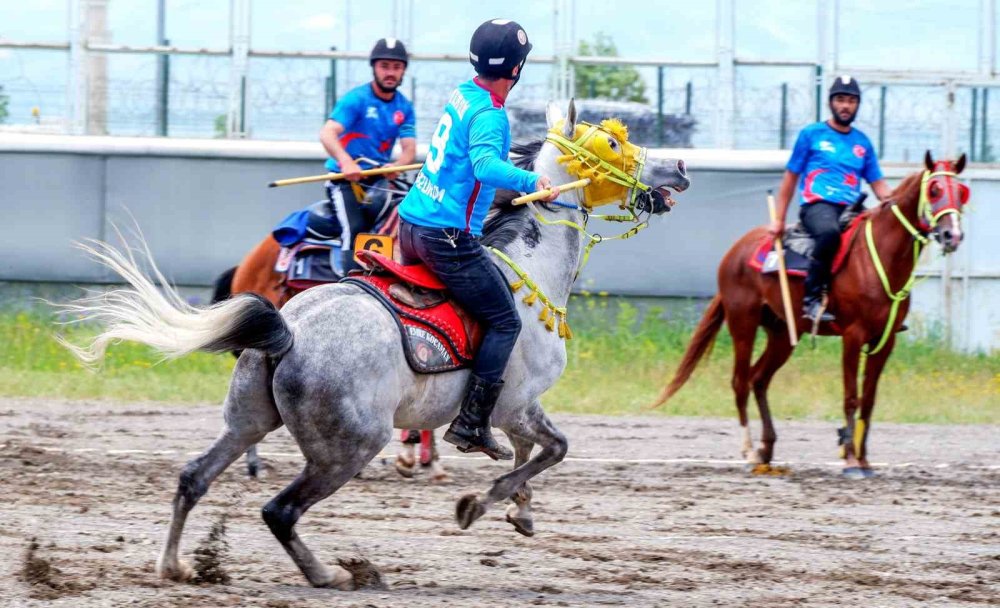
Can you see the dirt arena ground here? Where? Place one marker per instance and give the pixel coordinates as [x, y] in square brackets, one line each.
[645, 512]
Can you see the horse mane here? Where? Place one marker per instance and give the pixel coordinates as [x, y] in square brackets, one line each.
[909, 187]
[505, 221]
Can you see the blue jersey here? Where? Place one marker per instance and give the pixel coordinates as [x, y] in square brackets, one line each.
[831, 164]
[466, 162]
[371, 124]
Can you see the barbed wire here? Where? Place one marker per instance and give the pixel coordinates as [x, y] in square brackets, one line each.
[288, 99]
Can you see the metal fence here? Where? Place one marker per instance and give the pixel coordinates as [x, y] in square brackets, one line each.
[87, 85]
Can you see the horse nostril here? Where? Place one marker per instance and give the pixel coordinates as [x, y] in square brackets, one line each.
[682, 168]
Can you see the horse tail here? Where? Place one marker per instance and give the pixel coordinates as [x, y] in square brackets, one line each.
[223, 287]
[701, 343]
[160, 318]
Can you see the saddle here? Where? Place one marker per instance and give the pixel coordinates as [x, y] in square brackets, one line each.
[309, 263]
[799, 246]
[438, 336]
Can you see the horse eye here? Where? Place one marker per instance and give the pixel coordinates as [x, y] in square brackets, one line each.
[613, 143]
[935, 192]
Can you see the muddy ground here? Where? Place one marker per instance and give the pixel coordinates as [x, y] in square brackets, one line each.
[646, 512]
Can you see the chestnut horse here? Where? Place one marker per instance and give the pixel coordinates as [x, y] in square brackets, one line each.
[925, 203]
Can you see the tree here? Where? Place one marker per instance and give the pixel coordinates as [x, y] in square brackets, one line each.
[4, 100]
[618, 82]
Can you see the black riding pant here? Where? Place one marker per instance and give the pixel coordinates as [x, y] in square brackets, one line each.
[822, 221]
[355, 217]
[465, 267]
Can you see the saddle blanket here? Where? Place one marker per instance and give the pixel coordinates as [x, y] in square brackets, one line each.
[798, 247]
[437, 335]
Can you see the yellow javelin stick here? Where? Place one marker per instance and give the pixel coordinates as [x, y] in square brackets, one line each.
[335, 176]
[534, 196]
[786, 296]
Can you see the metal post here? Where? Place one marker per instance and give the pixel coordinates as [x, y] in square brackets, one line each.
[881, 121]
[687, 98]
[819, 92]
[239, 16]
[659, 105]
[77, 86]
[726, 91]
[984, 144]
[782, 129]
[972, 127]
[162, 80]
[97, 68]
[413, 91]
[331, 86]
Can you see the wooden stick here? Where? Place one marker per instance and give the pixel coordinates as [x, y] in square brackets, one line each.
[335, 176]
[786, 296]
[534, 196]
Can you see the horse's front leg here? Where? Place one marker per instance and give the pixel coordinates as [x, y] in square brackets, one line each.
[534, 426]
[850, 360]
[873, 370]
[519, 512]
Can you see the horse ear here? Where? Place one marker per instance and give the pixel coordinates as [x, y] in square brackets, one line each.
[928, 161]
[553, 114]
[960, 163]
[570, 125]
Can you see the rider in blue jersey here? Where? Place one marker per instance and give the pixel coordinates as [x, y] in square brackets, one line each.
[828, 162]
[365, 124]
[442, 217]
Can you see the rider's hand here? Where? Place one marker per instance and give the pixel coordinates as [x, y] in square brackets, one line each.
[544, 183]
[351, 170]
[394, 174]
[776, 229]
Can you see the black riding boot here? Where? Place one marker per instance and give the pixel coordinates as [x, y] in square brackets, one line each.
[470, 431]
[812, 301]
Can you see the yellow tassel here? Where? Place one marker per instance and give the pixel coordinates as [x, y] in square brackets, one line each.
[544, 316]
[564, 329]
[516, 285]
[550, 323]
[530, 298]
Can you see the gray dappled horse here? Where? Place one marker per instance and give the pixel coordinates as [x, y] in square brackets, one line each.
[330, 365]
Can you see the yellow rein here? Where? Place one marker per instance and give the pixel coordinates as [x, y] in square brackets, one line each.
[919, 241]
[575, 150]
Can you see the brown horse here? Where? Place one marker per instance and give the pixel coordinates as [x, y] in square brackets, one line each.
[925, 203]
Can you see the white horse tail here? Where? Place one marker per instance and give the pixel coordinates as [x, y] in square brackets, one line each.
[160, 318]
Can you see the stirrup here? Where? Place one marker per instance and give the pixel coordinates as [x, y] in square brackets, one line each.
[462, 444]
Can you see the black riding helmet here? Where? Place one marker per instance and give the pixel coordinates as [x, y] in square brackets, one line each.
[499, 48]
[845, 85]
[389, 48]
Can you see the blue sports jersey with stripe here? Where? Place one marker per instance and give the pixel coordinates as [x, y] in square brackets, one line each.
[466, 162]
[371, 124]
[831, 164]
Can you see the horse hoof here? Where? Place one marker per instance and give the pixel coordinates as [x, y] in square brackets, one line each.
[525, 527]
[404, 467]
[181, 572]
[854, 473]
[468, 510]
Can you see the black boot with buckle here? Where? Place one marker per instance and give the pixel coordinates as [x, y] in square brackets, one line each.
[811, 307]
[470, 431]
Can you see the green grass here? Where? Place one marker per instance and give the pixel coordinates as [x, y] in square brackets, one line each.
[615, 367]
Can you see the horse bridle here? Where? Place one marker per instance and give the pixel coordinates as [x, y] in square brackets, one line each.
[639, 194]
[930, 209]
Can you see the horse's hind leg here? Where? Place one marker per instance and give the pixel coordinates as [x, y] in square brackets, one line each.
[775, 355]
[743, 329]
[519, 512]
[334, 454]
[249, 414]
[532, 425]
